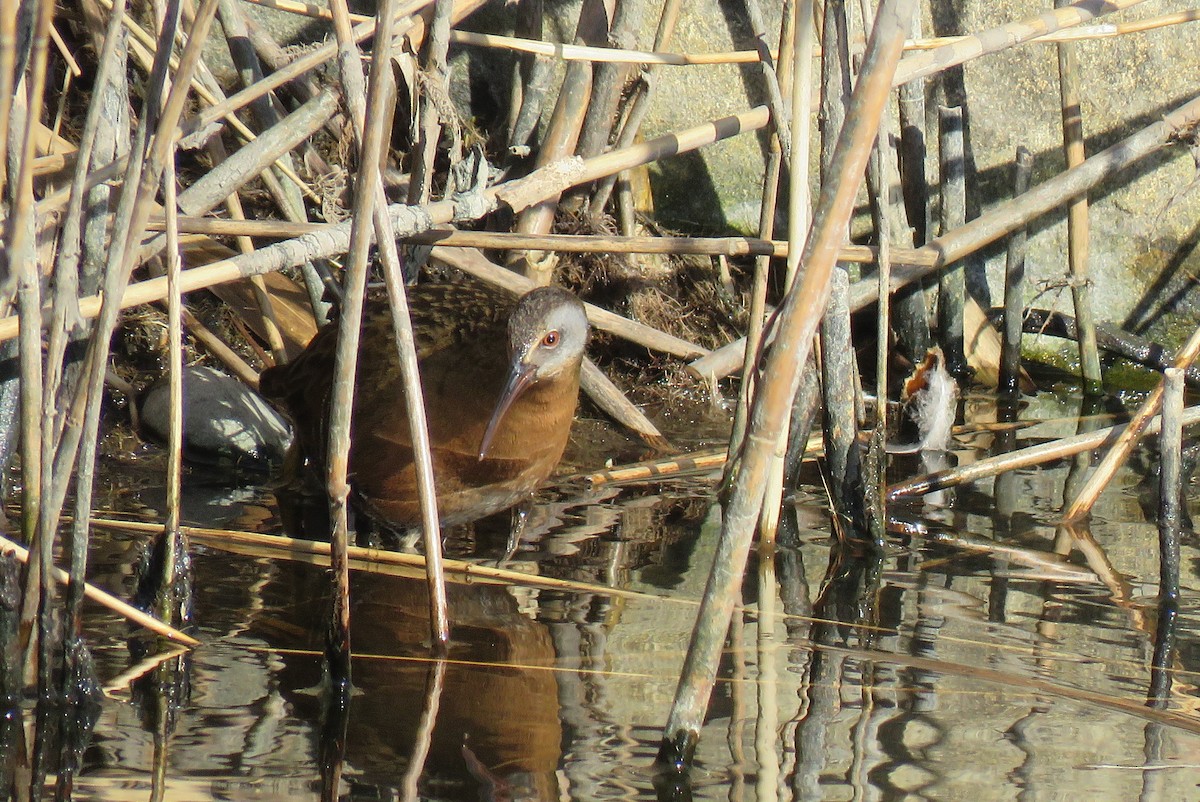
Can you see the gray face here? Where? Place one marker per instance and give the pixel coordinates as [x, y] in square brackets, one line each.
[547, 331]
[546, 335]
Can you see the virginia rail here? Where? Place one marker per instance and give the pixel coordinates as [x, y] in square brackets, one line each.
[500, 378]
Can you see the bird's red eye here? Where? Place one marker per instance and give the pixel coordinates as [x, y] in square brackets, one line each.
[551, 339]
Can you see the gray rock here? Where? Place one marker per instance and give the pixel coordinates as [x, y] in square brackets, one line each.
[224, 421]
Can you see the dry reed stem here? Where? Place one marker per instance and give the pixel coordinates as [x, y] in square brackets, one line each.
[375, 560]
[624, 55]
[1000, 220]
[567, 243]
[432, 93]
[19, 267]
[798, 324]
[126, 611]
[790, 145]
[637, 103]
[1023, 458]
[401, 323]
[19, 263]
[69, 263]
[1077, 217]
[1003, 37]
[338, 649]
[334, 238]
[168, 579]
[8, 78]
[1082, 505]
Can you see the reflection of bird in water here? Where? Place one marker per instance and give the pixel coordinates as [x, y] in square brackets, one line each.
[501, 381]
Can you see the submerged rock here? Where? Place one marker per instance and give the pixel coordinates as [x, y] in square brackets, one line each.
[224, 421]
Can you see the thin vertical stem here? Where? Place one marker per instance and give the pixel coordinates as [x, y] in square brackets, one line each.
[168, 585]
[8, 78]
[18, 231]
[639, 101]
[798, 323]
[429, 124]
[1077, 216]
[837, 365]
[1170, 489]
[952, 286]
[401, 327]
[798, 173]
[1014, 284]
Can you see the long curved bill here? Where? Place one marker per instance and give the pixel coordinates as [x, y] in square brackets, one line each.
[519, 379]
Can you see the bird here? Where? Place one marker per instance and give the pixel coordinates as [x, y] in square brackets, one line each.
[500, 380]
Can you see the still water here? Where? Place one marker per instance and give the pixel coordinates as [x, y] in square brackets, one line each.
[950, 669]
